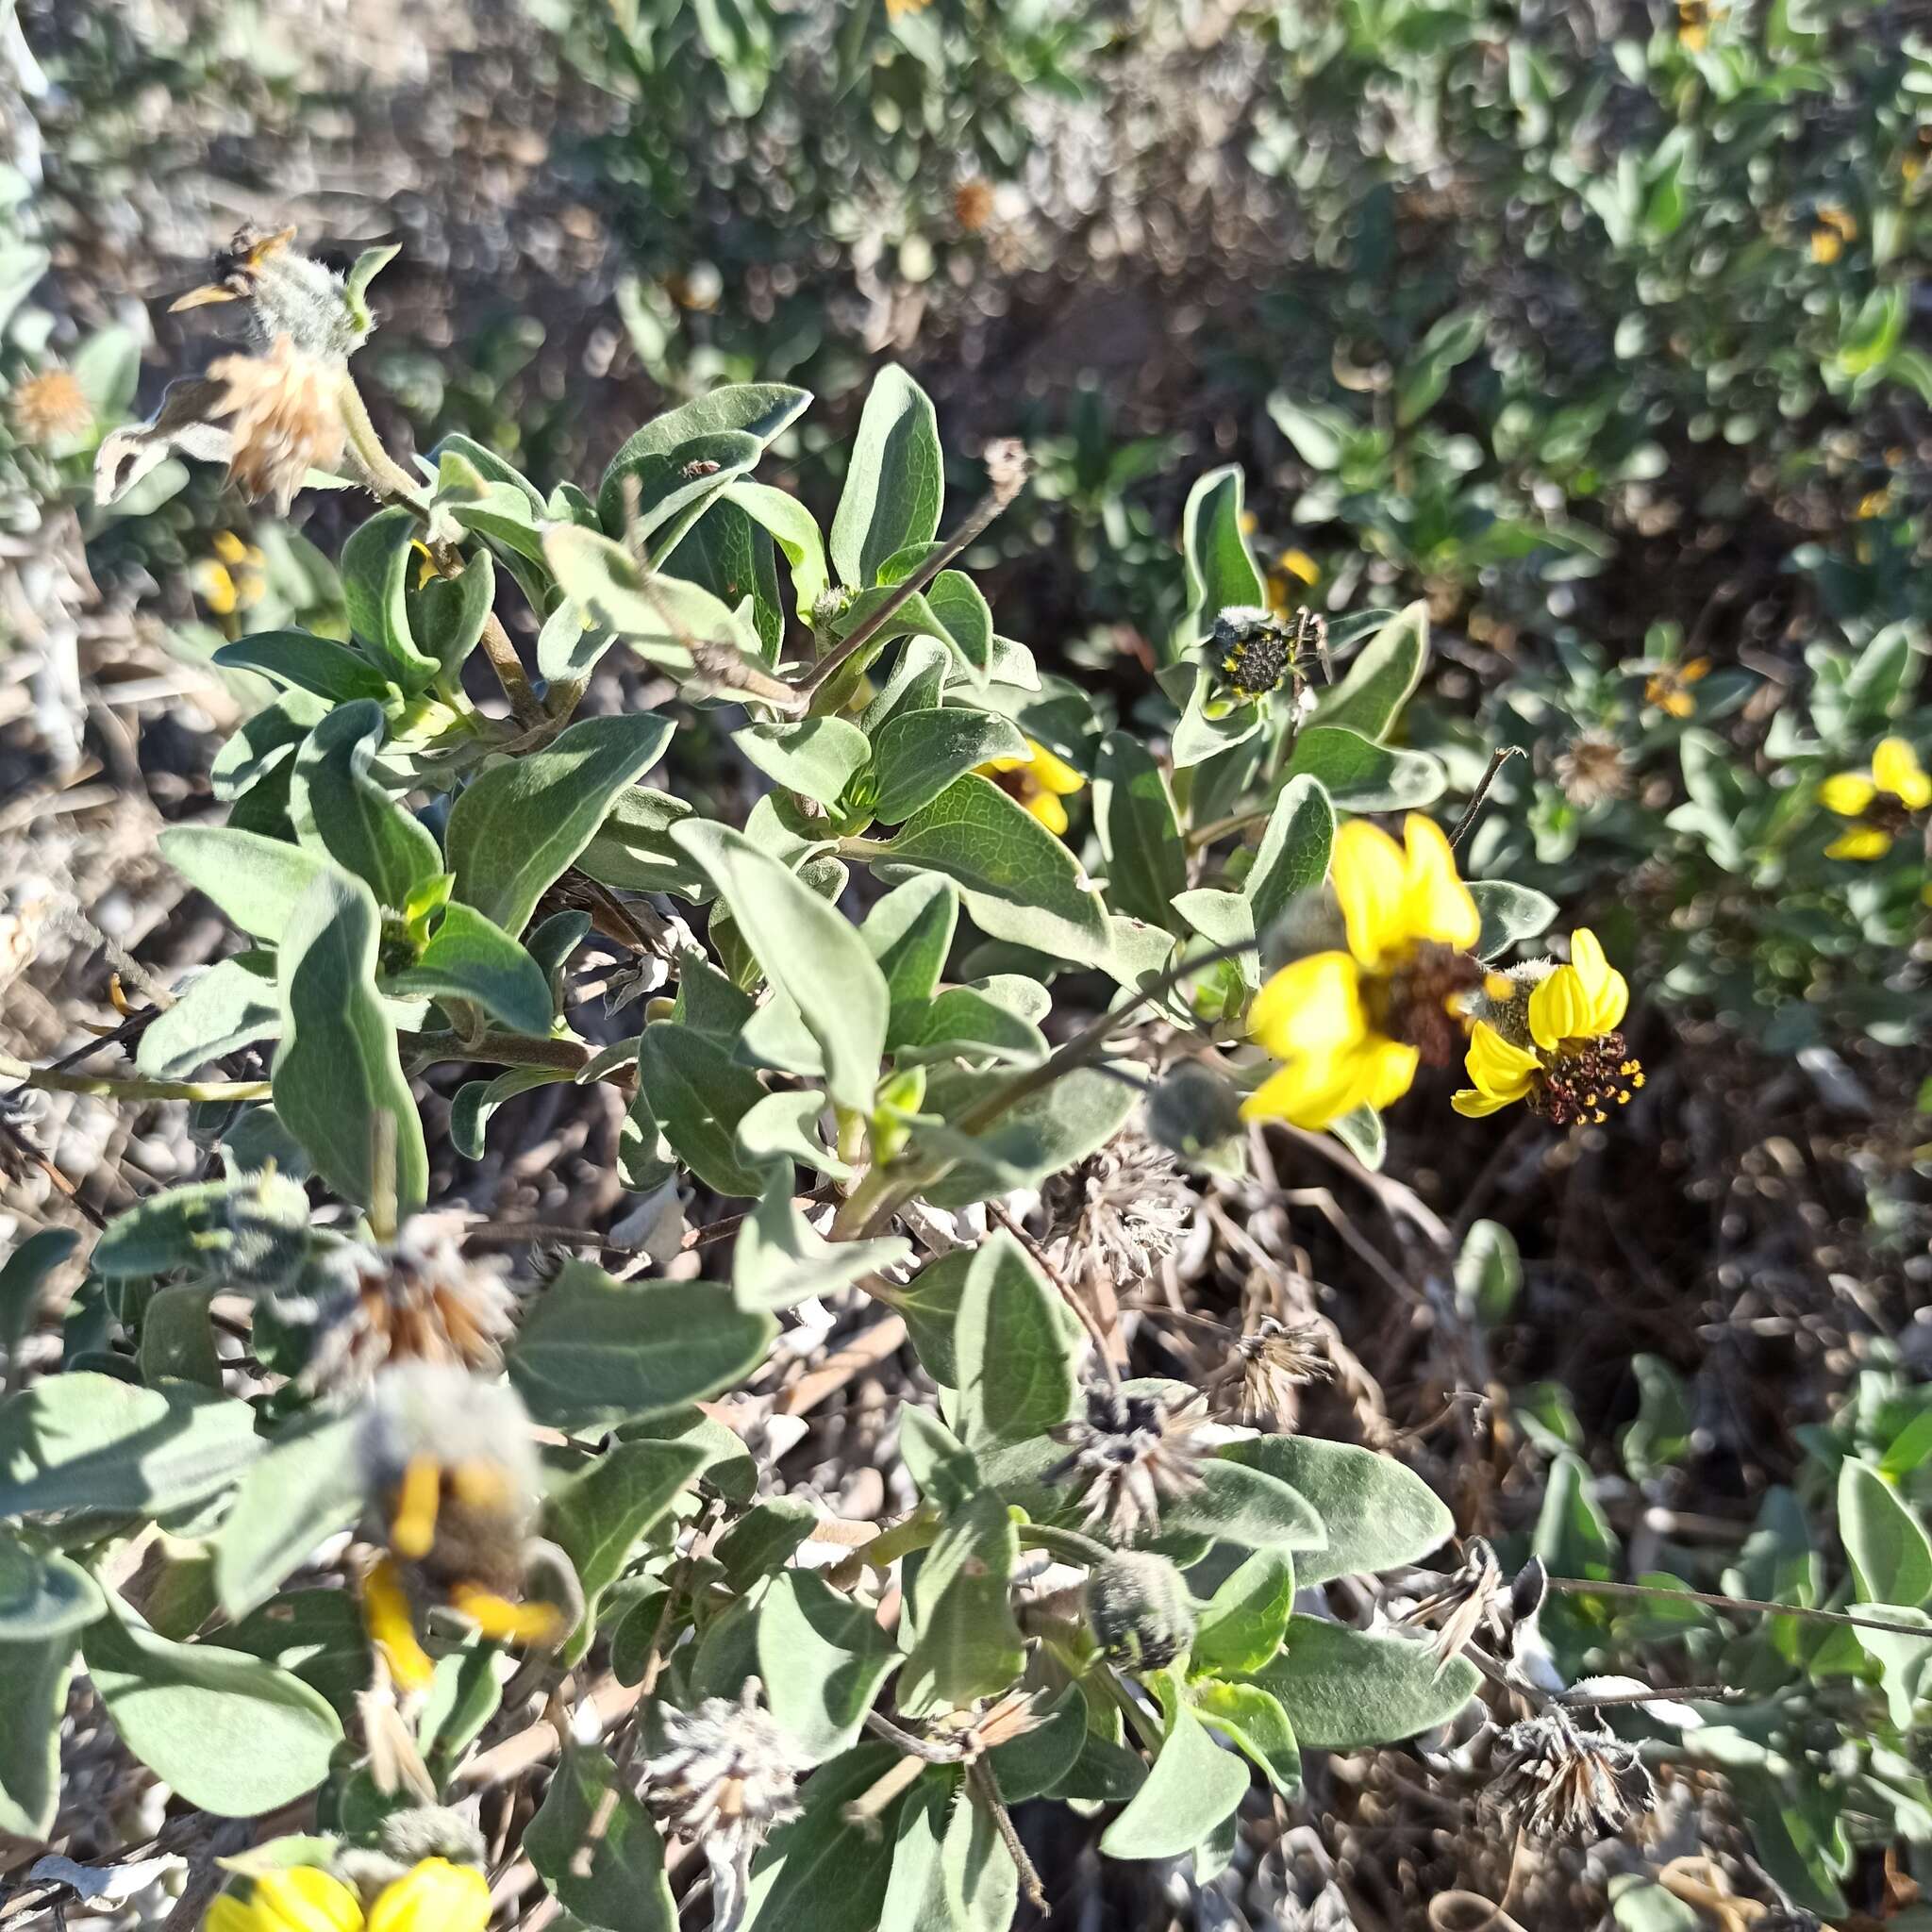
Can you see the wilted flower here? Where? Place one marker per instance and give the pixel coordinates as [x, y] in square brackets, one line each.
[1669, 686]
[419, 1299]
[972, 204]
[727, 1774]
[1271, 1362]
[1567, 1779]
[1470, 1600]
[51, 407]
[1129, 1454]
[1040, 781]
[1559, 1050]
[432, 1896]
[451, 1475]
[1255, 652]
[1351, 1028]
[1593, 769]
[1119, 1213]
[1881, 799]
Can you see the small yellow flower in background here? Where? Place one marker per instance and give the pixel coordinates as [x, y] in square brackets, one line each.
[302, 1899]
[1873, 503]
[1881, 799]
[432, 1896]
[1351, 1028]
[231, 579]
[1040, 781]
[1695, 21]
[1559, 1051]
[1831, 228]
[1291, 568]
[1668, 687]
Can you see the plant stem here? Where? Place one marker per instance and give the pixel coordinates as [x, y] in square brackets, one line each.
[1580, 1587]
[99, 1087]
[515, 681]
[1068, 1545]
[1466, 823]
[388, 481]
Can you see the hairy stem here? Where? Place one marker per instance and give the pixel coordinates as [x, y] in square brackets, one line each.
[100, 1087]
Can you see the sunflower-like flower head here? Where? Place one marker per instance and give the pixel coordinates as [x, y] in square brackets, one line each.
[1253, 651]
[1042, 781]
[1549, 1037]
[432, 1896]
[1880, 799]
[1351, 1028]
[451, 1473]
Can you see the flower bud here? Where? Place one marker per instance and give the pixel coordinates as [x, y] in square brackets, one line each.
[1139, 1609]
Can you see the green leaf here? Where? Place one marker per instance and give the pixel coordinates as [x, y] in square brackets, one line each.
[1662, 1433]
[818, 757]
[1873, 331]
[256, 881]
[90, 1443]
[821, 1658]
[596, 1518]
[1220, 572]
[1489, 1274]
[1019, 882]
[761, 409]
[464, 1694]
[1386, 670]
[1014, 1364]
[594, 1351]
[306, 1489]
[1363, 776]
[520, 825]
[376, 565]
[661, 617]
[968, 1645]
[917, 753]
[966, 618]
[794, 531]
[233, 1004]
[362, 271]
[1209, 726]
[1510, 913]
[598, 1851]
[1341, 1688]
[807, 950]
[967, 1021]
[1797, 1830]
[909, 933]
[1146, 863]
[231, 1735]
[294, 658]
[176, 1344]
[1891, 1555]
[340, 812]
[1240, 1627]
[894, 479]
[1035, 1762]
[42, 1596]
[779, 1258]
[472, 958]
[633, 848]
[825, 1872]
[1293, 858]
[192, 1226]
[951, 1867]
[1044, 1134]
[21, 1276]
[336, 1068]
[699, 1094]
[1376, 1513]
[653, 505]
[36, 1677]
[1238, 1503]
[1258, 1727]
[1193, 1784]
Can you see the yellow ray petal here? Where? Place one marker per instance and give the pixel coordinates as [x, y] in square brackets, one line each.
[1847, 793]
[1474, 1104]
[1605, 988]
[1559, 1009]
[433, 1896]
[1388, 1070]
[502, 1620]
[1312, 1005]
[1860, 842]
[412, 1529]
[1054, 773]
[1371, 887]
[303, 1899]
[1499, 1066]
[1050, 812]
[1896, 768]
[1436, 903]
[391, 1628]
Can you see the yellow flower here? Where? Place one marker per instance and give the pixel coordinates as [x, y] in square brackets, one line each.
[1040, 781]
[1559, 1051]
[302, 1899]
[434, 1897]
[1351, 1028]
[1831, 229]
[1667, 687]
[231, 579]
[1694, 20]
[1880, 798]
[1291, 569]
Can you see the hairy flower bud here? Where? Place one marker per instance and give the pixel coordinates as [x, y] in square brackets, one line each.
[1139, 1609]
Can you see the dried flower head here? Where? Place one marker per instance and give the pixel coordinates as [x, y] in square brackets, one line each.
[51, 407]
[1472, 1599]
[727, 1774]
[1593, 769]
[1129, 1454]
[419, 1299]
[1567, 1779]
[1119, 1213]
[972, 204]
[1270, 1362]
[286, 411]
[452, 1480]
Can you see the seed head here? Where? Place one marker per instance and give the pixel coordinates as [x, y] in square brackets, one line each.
[1130, 1453]
[51, 407]
[1470, 1600]
[1119, 1213]
[284, 409]
[1593, 770]
[727, 1774]
[1273, 1360]
[1570, 1780]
